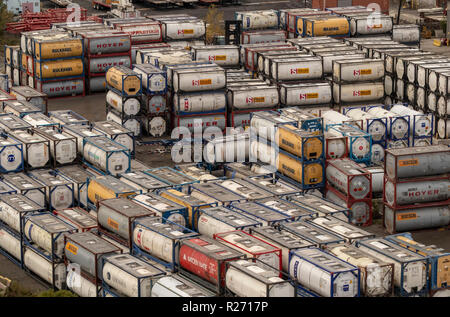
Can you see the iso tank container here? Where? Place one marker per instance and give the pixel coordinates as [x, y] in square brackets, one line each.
[282, 239]
[61, 88]
[358, 70]
[154, 80]
[261, 19]
[199, 102]
[106, 155]
[336, 145]
[335, 117]
[136, 48]
[11, 154]
[413, 191]
[358, 92]
[39, 119]
[47, 232]
[52, 49]
[220, 219]
[416, 217]
[425, 71]
[250, 97]
[171, 176]
[341, 228]
[328, 58]
[350, 178]
[125, 106]
[142, 181]
[304, 173]
[101, 43]
[422, 124]
[438, 258]
[370, 25]
[222, 55]
[183, 29]
[155, 103]
[397, 126]
[125, 81]
[155, 126]
[108, 187]
[305, 94]
[327, 26]
[307, 119]
[130, 123]
[265, 124]
[87, 250]
[287, 208]
[296, 68]
[13, 209]
[265, 215]
[128, 275]
[59, 191]
[19, 108]
[10, 245]
[178, 286]
[63, 146]
[443, 83]
[306, 145]
[204, 260]
[321, 206]
[160, 240]
[81, 132]
[59, 69]
[242, 170]
[117, 133]
[10, 122]
[376, 275]
[198, 173]
[408, 33]
[376, 127]
[324, 273]
[265, 36]
[6, 189]
[359, 143]
[276, 187]
[100, 65]
[27, 186]
[417, 161]
[54, 274]
[117, 215]
[77, 218]
[244, 188]
[39, 99]
[265, 57]
[67, 117]
[211, 193]
[246, 279]
[230, 148]
[254, 248]
[141, 32]
[443, 128]
[410, 269]
[199, 79]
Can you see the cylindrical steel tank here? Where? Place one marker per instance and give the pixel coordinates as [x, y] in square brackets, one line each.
[360, 211]
[59, 68]
[96, 84]
[129, 106]
[177, 286]
[300, 143]
[131, 124]
[52, 273]
[10, 243]
[35, 150]
[124, 80]
[11, 154]
[422, 122]
[307, 175]
[377, 153]
[399, 128]
[155, 103]
[261, 19]
[182, 30]
[443, 128]
[376, 128]
[416, 218]
[199, 79]
[358, 92]
[443, 106]
[102, 64]
[357, 70]
[106, 43]
[305, 94]
[217, 120]
[228, 149]
[349, 178]
[58, 49]
[417, 192]
[370, 25]
[61, 88]
[199, 102]
[155, 126]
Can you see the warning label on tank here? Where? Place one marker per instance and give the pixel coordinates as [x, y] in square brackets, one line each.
[411, 162]
[220, 58]
[300, 71]
[407, 216]
[358, 72]
[205, 82]
[375, 26]
[362, 93]
[113, 224]
[309, 96]
[71, 248]
[188, 31]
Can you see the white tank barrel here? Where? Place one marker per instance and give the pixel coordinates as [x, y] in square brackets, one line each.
[72, 87]
[222, 55]
[296, 68]
[199, 102]
[305, 94]
[443, 128]
[131, 124]
[261, 96]
[376, 128]
[370, 25]
[349, 178]
[106, 43]
[11, 154]
[399, 128]
[10, 244]
[13, 207]
[443, 106]
[177, 286]
[199, 79]
[422, 124]
[155, 104]
[232, 148]
[154, 80]
[80, 285]
[63, 146]
[26, 186]
[334, 117]
[218, 120]
[377, 153]
[261, 19]
[316, 270]
[54, 274]
[182, 30]
[335, 147]
[129, 106]
[417, 192]
[102, 64]
[247, 279]
[409, 33]
[358, 92]
[358, 70]
[360, 211]
[155, 126]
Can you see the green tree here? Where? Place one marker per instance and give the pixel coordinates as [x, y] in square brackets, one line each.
[5, 16]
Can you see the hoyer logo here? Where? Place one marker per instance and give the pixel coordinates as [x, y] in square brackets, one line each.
[421, 193]
[203, 124]
[63, 88]
[107, 45]
[104, 65]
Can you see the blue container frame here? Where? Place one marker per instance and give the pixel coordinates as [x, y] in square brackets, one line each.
[401, 291]
[173, 266]
[17, 145]
[433, 259]
[333, 275]
[147, 91]
[391, 121]
[108, 155]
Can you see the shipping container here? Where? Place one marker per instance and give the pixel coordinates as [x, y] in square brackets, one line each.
[63, 146]
[142, 181]
[341, 228]
[263, 214]
[117, 133]
[27, 186]
[77, 218]
[14, 208]
[108, 187]
[178, 286]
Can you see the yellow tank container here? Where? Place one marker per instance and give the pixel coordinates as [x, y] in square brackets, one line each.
[105, 189]
[300, 142]
[124, 80]
[313, 173]
[185, 200]
[24, 61]
[58, 49]
[59, 68]
[327, 26]
[442, 265]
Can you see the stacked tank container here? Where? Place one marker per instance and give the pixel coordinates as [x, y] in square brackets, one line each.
[36, 98]
[124, 98]
[104, 49]
[260, 27]
[416, 188]
[58, 67]
[350, 186]
[13, 64]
